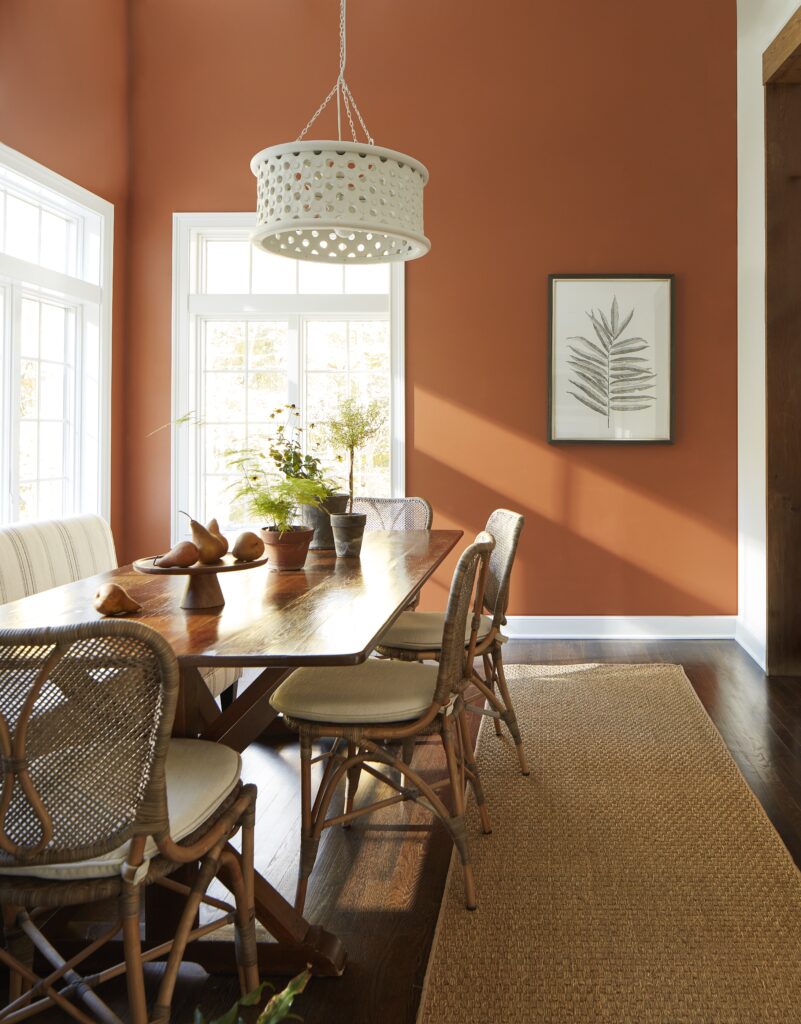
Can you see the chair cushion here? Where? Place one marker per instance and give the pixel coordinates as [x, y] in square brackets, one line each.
[422, 631]
[200, 776]
[376, 691]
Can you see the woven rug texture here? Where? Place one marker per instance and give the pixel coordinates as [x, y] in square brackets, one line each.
[632, 878]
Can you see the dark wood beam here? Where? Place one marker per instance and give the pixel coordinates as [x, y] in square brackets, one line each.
[781, 62]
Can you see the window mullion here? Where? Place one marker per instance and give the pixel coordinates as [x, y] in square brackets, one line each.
[13, 401]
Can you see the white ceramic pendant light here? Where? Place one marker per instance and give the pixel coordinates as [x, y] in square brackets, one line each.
[338, 201]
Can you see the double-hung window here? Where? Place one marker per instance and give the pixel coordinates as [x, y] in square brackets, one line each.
[55, 343]
[254, 332]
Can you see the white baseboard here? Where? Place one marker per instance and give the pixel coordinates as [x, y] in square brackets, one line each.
[623, 627]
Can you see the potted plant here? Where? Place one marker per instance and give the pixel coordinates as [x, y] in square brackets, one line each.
[286, 452]
[275, 503]
[348, 431]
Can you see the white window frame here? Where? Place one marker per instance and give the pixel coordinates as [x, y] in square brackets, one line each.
[188, 308]
[19, 277]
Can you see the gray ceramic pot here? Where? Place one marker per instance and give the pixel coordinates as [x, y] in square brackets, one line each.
[319, 519]
[348, 530]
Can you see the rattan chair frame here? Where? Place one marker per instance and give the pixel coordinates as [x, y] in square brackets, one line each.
[28, 901]
[493, 687]
[385, 514]
[358, 747]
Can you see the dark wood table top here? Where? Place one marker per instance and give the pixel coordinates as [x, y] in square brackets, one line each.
[330, 613]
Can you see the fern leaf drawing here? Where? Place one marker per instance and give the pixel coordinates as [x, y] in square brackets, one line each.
[608, 373]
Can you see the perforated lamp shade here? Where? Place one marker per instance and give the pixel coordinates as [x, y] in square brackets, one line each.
[339, 202]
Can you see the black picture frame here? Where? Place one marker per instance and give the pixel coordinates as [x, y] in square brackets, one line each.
[669, 279]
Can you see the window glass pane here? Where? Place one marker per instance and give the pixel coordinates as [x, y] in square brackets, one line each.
[228, 267]
[28, 465]
[273, 275]
[266, 391]
[367, 279]
[52, 332]
[51, 391]
[326, 345]
[319, 278]
[225, 345]
[267, 345]
[55, 233]
[51, 450]
[28, 494]
[22, 229]
[218, 439]
[369, 345]
[224, 398]
[29, 389]
[29, 329]
[51, 499]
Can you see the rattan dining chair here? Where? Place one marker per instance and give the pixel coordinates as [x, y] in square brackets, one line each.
[416, 637]
[367, 708]
[396, 514]
[98, 802]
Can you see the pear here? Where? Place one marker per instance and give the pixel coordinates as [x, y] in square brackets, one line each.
[210, 548]
[111, 599]
[184, 554]
[214, 529]
[248, 547]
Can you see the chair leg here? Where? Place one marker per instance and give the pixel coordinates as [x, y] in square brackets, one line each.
[508, 713]
[457, 824]
[209, 867]
[21, 948]
[132, 944]
[489, 677]
[473, 776]
[308, 843]
[352, 783]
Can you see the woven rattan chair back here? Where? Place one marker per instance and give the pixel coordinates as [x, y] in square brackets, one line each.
[85, 717]
[505, 527]
[395, 513]
[466, 595]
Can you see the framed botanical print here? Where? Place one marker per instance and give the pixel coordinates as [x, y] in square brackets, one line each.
[611, 358]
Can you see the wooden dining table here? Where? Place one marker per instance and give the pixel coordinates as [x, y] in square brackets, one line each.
[332, 612]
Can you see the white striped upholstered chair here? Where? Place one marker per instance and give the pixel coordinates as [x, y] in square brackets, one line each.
[38, 556]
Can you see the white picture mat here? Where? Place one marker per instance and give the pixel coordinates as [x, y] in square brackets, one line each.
[571, 301]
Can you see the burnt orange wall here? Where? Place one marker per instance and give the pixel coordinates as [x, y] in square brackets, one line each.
[561, 137]
[63, 102]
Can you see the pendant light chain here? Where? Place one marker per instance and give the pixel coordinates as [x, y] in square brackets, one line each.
[341, 89]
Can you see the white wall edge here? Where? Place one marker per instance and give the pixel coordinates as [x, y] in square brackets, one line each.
[751, 644]
[623, 627]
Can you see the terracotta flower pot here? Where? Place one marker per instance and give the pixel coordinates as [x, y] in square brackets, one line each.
[287, 551]
[319, 519]
[348, 530]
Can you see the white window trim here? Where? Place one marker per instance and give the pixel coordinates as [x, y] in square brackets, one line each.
[185, 307]
[72, 288]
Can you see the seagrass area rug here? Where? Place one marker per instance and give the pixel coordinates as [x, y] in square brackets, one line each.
[631, 878]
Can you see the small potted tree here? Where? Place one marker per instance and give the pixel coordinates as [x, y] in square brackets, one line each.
[348, 431]
[286, 452]
[275, 503]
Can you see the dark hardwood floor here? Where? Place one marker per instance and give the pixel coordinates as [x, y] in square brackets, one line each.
[378, 885]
